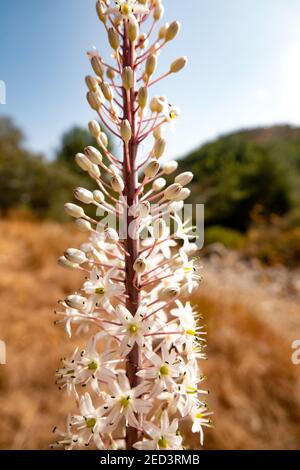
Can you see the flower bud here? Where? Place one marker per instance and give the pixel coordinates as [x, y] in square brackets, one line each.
[93, 154]
[94, 128]
[159, 148]
[94, 100]
[183, 195]
[98, 196]
[84, 195]
[158, 11]
[117, 184]
[151, 65]
[173, 191]
[91, 83]
[76, 301]
[113, 39]
[170, 167]
[110, 73]
[178, 64]
[97, 66]
[94, 171]
[184, 178]
[111, 235]
[157, 104]
[175, 206]
[82, 161]
[169, 293]
[127, 78]
[143, 97]
[106, 90]
[73, 210]
[142, 210]
[159, 184]
[140, 265]
[75, 256]
[159, 228]
[172, 31]
[102, 140]
[126, 130]
[133, 28]
[65, 263]
[83, 225]
[162, 31]
[152, 169]
[101, 12]
[158, 133]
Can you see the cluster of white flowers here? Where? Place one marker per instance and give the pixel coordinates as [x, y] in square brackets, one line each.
[139, 377]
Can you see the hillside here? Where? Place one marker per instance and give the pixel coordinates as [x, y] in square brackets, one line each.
[245, 170]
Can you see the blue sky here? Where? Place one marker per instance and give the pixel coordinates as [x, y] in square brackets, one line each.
[244, 66]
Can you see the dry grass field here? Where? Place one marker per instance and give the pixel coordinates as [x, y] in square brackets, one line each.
[255, 389]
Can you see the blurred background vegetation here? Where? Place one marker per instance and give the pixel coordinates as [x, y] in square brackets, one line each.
[248, 181]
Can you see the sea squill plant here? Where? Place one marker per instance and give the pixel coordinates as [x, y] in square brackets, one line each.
[138, 379]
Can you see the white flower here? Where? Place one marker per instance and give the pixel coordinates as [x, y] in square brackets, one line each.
[171, 114]
[164, 437]
[103, 289]
[164, 371]
[125, 402]
[199, 417]
[124, 9]
[188, 391]
[182, 232]
[90, 422]
[189, 272]
[67, 440]
[133, 329]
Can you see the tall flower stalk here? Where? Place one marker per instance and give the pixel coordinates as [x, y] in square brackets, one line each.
[138, 379]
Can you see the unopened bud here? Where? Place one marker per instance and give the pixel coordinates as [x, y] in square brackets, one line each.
[159, 148]
[110, 73]
[94, 128]
[158, 133]
[111, 235]
[84, 195]
[151, 64]
[183, 195]
[102, 140]
[82, 161]
[98, 196]
[169, 293]
[106, 90]
[157, 104]
[133, 28]
[126, 130]
[113, 38]
[152, 169]
[76, 301]
[93, 154]
[162, 31]
[75, 256]
[101, 11]
[159, 184]
[172, 31]
[65, 263]
[117, 184]
[175, 206]
[83, 225]
[91, 83]
[127, 78]
[158, 11]
[170, 167]
[143, 97]
[94, 100]
[94, 171]
[97, 66]
[172, 192]
[140, 265]
[73, 210]
[178, 64]
[159, 228]
[184, 178]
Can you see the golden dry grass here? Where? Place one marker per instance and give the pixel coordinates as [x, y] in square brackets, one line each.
[255, 391]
